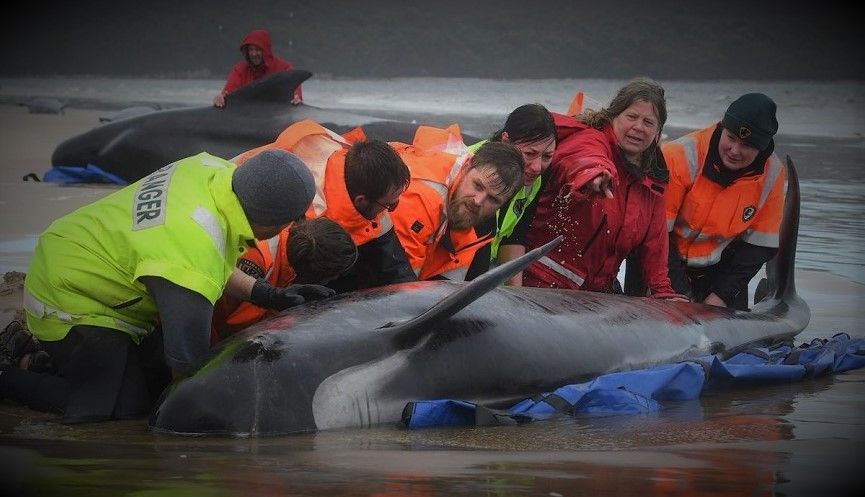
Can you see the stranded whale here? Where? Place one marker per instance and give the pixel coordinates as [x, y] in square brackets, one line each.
[357, 359]
[254, 115]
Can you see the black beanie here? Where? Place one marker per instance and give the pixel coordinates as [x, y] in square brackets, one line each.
[751, 117]
[274, 188]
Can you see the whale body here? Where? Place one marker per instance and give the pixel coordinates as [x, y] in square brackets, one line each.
[357, 359]
[253, 116]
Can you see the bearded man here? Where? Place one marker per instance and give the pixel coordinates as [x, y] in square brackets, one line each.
[448, 196]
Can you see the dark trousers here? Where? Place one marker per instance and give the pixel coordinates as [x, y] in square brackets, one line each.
[696, 284]
[101, 375]
[701, 282]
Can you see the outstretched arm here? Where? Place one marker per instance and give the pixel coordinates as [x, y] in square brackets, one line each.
[234, 81]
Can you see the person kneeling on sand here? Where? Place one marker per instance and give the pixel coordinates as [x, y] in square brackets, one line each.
[114, 284]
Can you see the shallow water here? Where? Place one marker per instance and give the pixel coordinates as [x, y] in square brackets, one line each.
[792, 439]
[832, 230]
[803, 438]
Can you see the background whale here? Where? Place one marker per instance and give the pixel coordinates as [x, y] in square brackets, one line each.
[357, 359]
[253, 116]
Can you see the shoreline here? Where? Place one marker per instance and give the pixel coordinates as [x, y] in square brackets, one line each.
[819, 109]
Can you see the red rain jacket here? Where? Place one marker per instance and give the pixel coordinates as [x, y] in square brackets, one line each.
[242, 73]
[599, 232]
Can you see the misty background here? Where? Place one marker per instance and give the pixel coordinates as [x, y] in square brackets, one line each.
[664, 39]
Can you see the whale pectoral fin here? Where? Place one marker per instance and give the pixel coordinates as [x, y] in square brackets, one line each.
[120, 140]
[408, 332]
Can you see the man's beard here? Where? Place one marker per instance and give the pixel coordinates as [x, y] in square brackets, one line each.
[462, 218]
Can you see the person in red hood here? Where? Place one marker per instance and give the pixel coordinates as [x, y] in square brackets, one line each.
[259, 62]
[606, 196]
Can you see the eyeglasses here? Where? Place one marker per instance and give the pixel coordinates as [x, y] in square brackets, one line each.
[389, 207]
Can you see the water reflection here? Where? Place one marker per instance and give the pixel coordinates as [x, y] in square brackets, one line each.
[730, 442]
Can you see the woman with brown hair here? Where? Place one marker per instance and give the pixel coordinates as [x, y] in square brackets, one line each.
[606, 196]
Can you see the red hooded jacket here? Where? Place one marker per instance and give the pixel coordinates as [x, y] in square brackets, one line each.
[242, 73]
[599, 232]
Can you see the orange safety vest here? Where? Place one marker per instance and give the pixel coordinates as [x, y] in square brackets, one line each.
[231, 315]
[421, 220]
[448, 139]
[705, 216]
[323, 152]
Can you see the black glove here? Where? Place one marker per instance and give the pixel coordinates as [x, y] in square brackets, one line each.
[281, 298]
[313, 292]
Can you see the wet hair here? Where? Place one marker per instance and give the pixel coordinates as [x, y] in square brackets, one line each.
[506, 161]
[373, 169]
[637, 89]
[527, 124]
[319, 250]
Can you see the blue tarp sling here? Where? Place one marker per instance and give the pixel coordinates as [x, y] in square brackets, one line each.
[641, 391]
[91, 173]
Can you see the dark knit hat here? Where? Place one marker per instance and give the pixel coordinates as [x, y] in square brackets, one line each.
[274, 188]
[751, 117]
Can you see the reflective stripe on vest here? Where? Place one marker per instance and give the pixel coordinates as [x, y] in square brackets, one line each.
[773, 166]
[511, 216]
[761, 239]
[713, 257]
[88, 264]
[433, 175]
[38, 308]
[213, 162]
[211, 225]
[773, 169]
[315, 154]
[272, 247]
[562, 270]
[41, 310]
[442, 191]
[689, 144]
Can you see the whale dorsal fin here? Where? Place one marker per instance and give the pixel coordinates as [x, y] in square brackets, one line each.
[411, 330]
[780, 281]
[276, 88]
[785, 260]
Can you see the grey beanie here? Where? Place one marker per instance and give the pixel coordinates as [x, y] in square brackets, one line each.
[751, 117]
[274, 188]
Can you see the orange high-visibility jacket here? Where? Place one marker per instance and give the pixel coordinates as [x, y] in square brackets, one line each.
[268, 260]
[421, 220]
[323, 152]
[705, 216]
